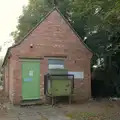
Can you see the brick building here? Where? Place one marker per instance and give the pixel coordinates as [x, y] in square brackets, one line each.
[53, 38]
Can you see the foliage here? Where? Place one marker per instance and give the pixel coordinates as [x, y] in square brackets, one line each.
[96, 21]
[34, 13]
[94, 16]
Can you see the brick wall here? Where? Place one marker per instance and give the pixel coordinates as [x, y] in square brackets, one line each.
[53, 37]
[6, 83]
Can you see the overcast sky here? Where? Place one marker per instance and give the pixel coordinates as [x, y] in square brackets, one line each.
[10, 10]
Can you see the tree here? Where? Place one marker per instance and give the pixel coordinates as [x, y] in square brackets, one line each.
[96, 21]
[89, 18]
[34, 13]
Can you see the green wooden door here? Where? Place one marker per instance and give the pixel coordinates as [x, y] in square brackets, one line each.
[30, 79]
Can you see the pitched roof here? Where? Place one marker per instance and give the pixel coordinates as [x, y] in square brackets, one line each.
[18, 43]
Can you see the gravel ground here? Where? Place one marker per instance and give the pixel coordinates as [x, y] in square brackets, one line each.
[103, 109]
[33, 113]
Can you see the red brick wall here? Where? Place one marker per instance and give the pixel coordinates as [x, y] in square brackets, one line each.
[53, 37]
[6, 83]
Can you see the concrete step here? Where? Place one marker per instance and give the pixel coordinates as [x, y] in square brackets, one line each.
[31, 102]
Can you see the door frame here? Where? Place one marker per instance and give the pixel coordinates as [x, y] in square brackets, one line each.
[28, 60]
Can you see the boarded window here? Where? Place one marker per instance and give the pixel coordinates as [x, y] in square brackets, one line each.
[56, 64]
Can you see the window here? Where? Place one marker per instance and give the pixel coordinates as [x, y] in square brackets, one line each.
[56, 64]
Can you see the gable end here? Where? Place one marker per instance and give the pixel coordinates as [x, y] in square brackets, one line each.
[54, 9]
